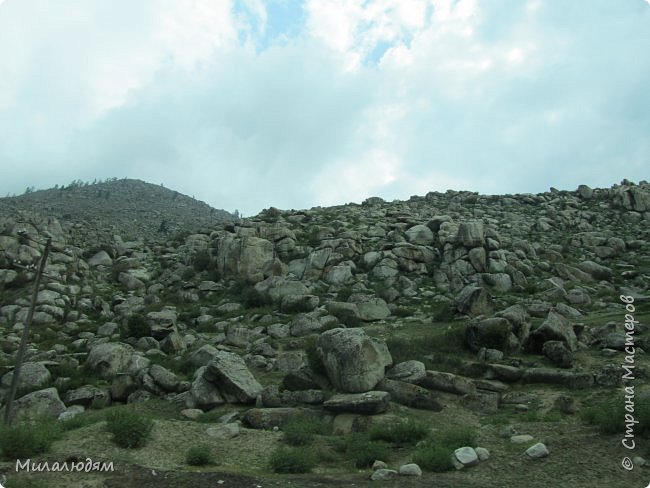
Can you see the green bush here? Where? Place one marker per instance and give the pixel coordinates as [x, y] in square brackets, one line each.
[293, 460]
[364, 452]
[251, 298]
[138, 326]
[434, 458]
[199, 455]
[404, 432]
[129, 428]
[23, 440]
[300, 431]
[435, 453]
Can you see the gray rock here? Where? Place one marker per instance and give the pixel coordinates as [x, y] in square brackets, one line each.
[471, 234]
[410, 395]
[41, 403]
[466, 456]
[203, 394]
[473, 300]
[110, 358]
[537, 451]
[410, 371]
[267, 418]
[383, 474]
[420, 235]
[368, 403]
[410, 469]
[235, 381]
[554, 328]
[226, 431]
[122, 386]
[354, 361]
[449, 382]
[482, 453]
[164, 378]
[33, 376]
[373, 309]
[558, 353]
[88, 395]
[100, 259]
[305, 324]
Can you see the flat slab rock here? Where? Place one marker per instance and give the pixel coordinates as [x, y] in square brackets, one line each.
[369, 403]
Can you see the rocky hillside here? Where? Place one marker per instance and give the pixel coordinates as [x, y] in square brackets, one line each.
[132, 209]
[504, 314]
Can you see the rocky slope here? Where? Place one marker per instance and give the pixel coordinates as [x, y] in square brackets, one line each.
[330, 309]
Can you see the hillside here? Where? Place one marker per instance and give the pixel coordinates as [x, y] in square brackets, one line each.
[481, 337]
[129, 208]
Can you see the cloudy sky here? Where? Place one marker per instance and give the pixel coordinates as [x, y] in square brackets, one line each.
[249, 104]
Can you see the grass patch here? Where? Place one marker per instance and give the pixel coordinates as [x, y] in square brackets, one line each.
[293, 460]
[404, 432]
[199, 455]
[83, 419]
[23, 440]
[130, 429]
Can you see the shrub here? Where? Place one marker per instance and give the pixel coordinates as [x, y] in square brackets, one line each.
[199, 455]
[404, 432]
[23, 440]
[434, 458]
[449, 341]
[251, 298]
[300, 431]
[435, 453]
[137, 326]
[293, 460]
[364, 452]
[129, 428]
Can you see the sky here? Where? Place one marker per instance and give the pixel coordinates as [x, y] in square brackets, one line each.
[250, 104]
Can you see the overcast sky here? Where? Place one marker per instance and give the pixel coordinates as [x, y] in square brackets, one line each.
[250, 104]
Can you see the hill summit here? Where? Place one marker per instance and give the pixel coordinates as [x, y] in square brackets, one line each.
[127, 207]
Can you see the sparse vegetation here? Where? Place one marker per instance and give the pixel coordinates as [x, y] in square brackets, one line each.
[138, 326]
[300, 431]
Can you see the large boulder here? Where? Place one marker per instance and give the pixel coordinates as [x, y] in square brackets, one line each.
[37, 404]
[471, 234]
[236, 383]
[354, 361]
[33, 376]
[554, 328]
[245, 257]
[420, 234]
[203, 394]
[109, 358]
[473, 300]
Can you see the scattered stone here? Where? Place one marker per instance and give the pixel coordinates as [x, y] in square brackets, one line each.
[537, 451]
[410, 469]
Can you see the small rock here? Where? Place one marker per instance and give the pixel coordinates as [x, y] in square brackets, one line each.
[482, 453]
[379, 465]
[192, 413]
[383, 474]
[466, 456]
[537, 451]
[521, 439]
[410, 469]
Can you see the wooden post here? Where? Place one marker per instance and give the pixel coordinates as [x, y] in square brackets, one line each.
[23, 339]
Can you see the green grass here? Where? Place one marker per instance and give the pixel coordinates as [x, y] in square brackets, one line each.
[404, 432]
[293, 460]
[130, 429]
[199, 455]
[83, 419]
[23, 440]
